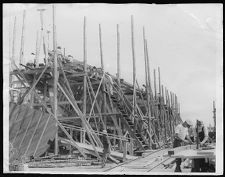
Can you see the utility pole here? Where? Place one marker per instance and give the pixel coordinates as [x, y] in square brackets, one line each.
[22, 39]
[55, 78]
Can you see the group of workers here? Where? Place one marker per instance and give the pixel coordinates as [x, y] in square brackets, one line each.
[186, 133]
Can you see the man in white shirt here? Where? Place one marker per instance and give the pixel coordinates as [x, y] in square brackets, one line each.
[181, 132]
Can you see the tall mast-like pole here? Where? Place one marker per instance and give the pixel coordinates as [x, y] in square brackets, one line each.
[134, 67]
[55, 78]
[48, 39]
[85, 77]
[155, 88]
[147, 86]
[42, 28]
[103, 69]
[100, 43]
[14, 40]
[159, 85]
[214, 115]
[118, 54]
[22, 39]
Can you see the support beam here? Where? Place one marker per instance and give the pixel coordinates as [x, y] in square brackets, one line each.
[118, 54]
[85, 77]
[134, 66]
[102, 66]
[14, 41]
[55, 78]
[22, 39]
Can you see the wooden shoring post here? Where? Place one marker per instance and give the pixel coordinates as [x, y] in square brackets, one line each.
[92, 93]
[155, 88]
[134, 66]
[96, 124]
[96, 103]
[48, 40]
[118, 54]
[171, 107]
[142, 98]
[164, 113]
[160, 112]
[71, 134]
[83, 118]
[147, 75]
[41, 35]
[60, 125]
[95, 98]
[22, 39]
[72, 101]
[36, 50]
[10, 65]
[85, 76]
[159, 84]
[214, 116]
[155, 105]
[103, 69]
[14, 41]
[55, 79]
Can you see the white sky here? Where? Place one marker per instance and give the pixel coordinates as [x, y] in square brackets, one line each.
[185, 41]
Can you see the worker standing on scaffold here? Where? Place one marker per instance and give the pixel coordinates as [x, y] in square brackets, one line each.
[106, 149]
[181, 132]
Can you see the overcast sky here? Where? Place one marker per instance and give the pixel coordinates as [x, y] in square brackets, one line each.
[185, 41]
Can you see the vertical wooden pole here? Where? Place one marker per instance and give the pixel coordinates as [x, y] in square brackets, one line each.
[102, 66]
[134, 67]
[55, 78]
[48, 41]
[100, 43]
[22, 39]
[85, 78]
[36, 51]
[156, 107]
[147, 86]
[164, 114]
[148, 69]
[159, 103]
[10, 45]
[14, 41]
[118, 54]
[71, 134]
[214, 116]
[124, 150]
[155, 88]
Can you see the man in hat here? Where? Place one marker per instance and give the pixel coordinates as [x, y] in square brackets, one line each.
[181, 135]
[106, 149]
[199, 165]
